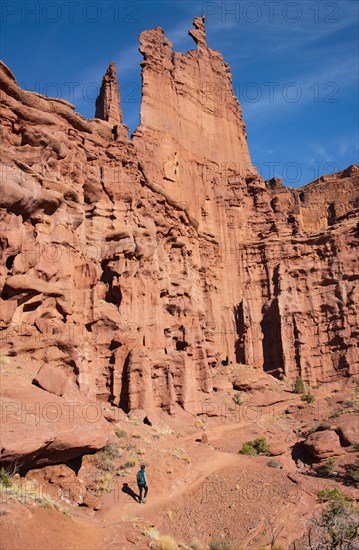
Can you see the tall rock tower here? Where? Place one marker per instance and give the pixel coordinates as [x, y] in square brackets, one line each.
[108, 102]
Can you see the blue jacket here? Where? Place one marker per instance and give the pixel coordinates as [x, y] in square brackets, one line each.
[142, 474]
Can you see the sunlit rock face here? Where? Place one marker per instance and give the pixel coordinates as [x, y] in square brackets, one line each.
[136, 267]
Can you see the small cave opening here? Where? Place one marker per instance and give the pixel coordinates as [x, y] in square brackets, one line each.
[75, 464]
[239, 347]
[113, 293]
[299, 452]
[4, 295]
[331, 214]
[10, 262]
[273, 361]
[31, 307]
[114, 345]
[124, 396]
[181, 345]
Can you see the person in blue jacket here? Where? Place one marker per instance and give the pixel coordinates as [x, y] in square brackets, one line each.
[142, 483]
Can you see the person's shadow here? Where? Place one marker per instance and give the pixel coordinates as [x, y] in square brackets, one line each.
[127, 489]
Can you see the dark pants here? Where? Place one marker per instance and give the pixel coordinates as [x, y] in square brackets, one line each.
[141, 487]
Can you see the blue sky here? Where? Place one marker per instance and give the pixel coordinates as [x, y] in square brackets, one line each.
[294, 66]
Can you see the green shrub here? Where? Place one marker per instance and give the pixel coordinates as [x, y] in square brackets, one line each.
[299, 385]
[332, 495]
[337, 527]
[326, 469]
[258, 446]
[354, 474]
[237, 398]
[248, 449]
[308, 398]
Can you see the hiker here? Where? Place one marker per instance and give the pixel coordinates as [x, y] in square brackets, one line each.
[142, 483]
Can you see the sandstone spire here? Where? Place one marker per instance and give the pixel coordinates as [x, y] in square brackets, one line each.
[199, 32]
[108, 102]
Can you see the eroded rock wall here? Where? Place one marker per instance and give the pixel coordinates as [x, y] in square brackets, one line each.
[137, 266]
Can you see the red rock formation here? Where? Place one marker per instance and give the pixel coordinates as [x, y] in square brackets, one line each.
[108, 101]
[136, 267]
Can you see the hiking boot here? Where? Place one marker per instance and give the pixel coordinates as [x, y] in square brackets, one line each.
[144, 500]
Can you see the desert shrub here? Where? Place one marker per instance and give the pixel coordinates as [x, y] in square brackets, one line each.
[5, 479]
[248, 449]
[356, 446]
[299, 385]
[337, 526]
[258, 446]
[273, 463]
[164, 542]
[104, 458]
[354, 473]
[129, 464]
[104, 484]
[348, 403]
[308, 398]
[3, 512]
[326, 469]
[237, 398]
[120, 432]
[332, 495]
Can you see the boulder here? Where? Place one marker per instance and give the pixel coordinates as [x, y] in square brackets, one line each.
[346, 426]
[40, 428]
[324, 444]
[51, 379]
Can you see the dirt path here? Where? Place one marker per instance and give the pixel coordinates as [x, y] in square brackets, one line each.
[205, 462]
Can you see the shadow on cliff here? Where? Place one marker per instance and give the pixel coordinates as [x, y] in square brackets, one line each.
[273, 361]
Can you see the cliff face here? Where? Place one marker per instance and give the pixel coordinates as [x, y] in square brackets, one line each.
[136, 267]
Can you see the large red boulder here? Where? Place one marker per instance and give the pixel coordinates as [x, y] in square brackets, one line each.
[40, 428]
[322, 445]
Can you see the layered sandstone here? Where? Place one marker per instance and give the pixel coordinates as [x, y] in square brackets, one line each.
[135, 268]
